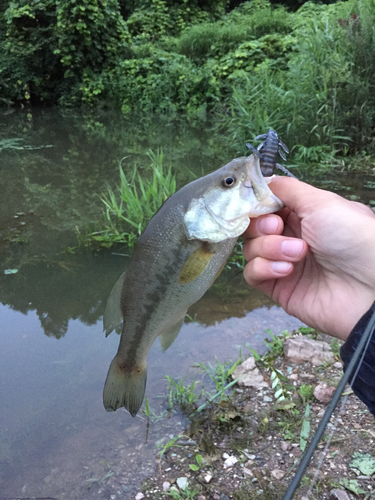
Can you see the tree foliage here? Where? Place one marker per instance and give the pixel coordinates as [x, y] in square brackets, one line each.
[306, 72]
[50, 46]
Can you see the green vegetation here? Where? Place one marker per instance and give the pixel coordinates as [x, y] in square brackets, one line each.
[185, 494]
[220, 374]
[308, 73]
[181, 394]
[172, 443]
[127, 212]
[306, 392]
[199, 463]
[187, 396]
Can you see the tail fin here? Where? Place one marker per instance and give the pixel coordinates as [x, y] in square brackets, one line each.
[124, 387]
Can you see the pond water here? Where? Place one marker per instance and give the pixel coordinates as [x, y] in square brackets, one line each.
[56, 438]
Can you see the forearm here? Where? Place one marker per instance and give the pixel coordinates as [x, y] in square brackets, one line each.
[364, 383]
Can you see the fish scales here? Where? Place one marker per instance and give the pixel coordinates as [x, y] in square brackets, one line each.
[147, 304]
[176, 259]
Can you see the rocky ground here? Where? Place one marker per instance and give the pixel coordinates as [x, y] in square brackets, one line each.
[248, 446]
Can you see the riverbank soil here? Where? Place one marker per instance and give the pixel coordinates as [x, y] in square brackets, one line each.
[249, 445]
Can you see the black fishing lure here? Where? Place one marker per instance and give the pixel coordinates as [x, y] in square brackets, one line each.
[267, 152]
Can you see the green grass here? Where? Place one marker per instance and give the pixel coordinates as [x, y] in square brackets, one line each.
[127, 210]
[220, 374]
[185, 494]
[181, 394]
[171, 444]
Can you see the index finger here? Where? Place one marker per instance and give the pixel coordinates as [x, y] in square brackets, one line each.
[264, 225]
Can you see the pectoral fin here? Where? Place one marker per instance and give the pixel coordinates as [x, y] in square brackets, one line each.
[195, 265]
[169, 336]
[112, 314]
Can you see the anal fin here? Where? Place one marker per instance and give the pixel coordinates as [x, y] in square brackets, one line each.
[112, 314]
[169, 336]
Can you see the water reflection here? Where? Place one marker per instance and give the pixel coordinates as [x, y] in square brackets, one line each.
[73, 287]
[57, 438]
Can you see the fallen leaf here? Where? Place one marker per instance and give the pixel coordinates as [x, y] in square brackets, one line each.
[363, 462]
[352, 485]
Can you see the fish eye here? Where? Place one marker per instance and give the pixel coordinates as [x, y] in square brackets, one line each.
[229, 181]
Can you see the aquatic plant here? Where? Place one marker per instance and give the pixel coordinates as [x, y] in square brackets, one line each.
[127, 211]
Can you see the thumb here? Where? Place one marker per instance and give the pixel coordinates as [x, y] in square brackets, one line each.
[300, 197]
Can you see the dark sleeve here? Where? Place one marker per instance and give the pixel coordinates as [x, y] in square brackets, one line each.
[364, 384]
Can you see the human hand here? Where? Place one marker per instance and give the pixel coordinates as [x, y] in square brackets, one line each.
[316, 258]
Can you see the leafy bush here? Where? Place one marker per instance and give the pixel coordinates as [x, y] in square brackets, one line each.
[50, 45]
[249, 22]
[323, 99]
[307, 74]
[155, 81]
[153, 19]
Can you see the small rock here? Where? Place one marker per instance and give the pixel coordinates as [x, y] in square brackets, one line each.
[285, 446]
[307, 375]
[182, 482]
[249, 375]
[229, 461]
[277, 474]
[339, 495]
[201, 497]
[293, 376]
[139, 496]
[267, 399]
[337, 364]
[299, 349]
[166, 486]
[324, 393]
[207, 478]
[247, 471]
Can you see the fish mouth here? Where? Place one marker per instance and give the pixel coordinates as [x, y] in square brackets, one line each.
[255, 179]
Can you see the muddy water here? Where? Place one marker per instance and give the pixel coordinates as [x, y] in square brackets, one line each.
[56, 438]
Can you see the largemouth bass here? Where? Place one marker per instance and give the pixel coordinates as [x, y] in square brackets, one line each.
[177, 258]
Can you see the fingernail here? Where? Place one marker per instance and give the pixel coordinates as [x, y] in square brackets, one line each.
[292, 248]
[268, 225]
[281, 267]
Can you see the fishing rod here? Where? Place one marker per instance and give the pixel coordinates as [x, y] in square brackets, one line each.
[360, 351]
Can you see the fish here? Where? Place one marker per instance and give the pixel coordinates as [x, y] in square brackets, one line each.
[183, 249]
